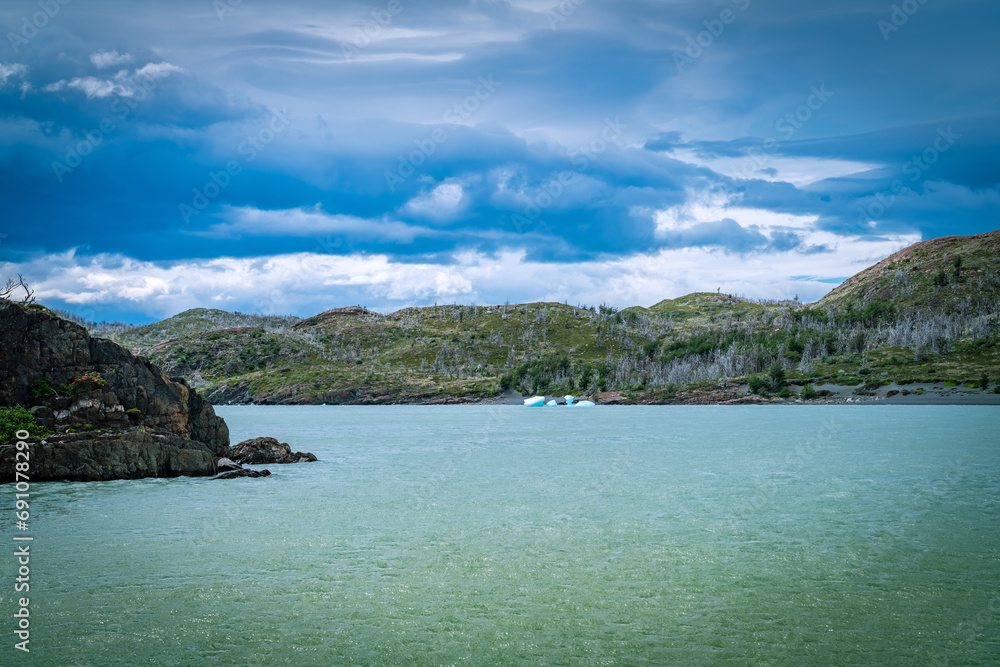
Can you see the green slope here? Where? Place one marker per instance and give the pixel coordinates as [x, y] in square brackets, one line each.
[196, 321]
[898, 320]
[940, 274]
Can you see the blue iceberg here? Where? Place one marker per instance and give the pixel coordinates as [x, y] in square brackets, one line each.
[539, 401]
[581, 404]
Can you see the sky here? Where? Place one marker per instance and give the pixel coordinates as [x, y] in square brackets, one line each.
[296, 156]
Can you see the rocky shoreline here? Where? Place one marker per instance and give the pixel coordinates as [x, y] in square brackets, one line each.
[106, 413]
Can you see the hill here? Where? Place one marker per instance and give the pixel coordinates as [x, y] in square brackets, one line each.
[192, 322]
[940, 274]
[919, 315]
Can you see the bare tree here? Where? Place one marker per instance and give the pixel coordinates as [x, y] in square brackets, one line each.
[13, 285]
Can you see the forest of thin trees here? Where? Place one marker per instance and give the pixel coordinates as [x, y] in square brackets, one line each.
[644, 350]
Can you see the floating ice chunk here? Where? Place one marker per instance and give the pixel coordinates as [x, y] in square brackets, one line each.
[534, 401]
[570, 399]
[552, 403]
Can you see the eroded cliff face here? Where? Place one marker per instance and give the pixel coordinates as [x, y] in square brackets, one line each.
[139, 424]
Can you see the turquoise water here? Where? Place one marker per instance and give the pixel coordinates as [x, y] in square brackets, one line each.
[789, 535]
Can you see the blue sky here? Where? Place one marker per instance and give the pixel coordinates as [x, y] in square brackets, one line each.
[293, 157]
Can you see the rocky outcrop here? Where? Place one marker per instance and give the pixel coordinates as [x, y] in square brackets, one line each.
[267, 450]
[152, 421]
[95, 456]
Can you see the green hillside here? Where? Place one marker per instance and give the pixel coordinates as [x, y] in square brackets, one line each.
[919, 315]
[193, 322]
[941, 274]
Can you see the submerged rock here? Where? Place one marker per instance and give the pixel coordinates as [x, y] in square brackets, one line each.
[243, 472]
[267, 450]
[225, 465]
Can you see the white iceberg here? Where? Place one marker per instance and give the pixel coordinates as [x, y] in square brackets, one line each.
[581, 404]
[534, 401]
[552, 403]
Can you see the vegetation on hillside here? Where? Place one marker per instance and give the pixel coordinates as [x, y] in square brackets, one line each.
[940, 274]
[898, 321]
[196, 320]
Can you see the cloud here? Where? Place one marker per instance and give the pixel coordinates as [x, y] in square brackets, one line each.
[307, 283]
[10, 70]
[92, 87]
[443, 202]
[123, 84]
[103, 59]
[726, 233]
[530, 168]
[760, 164]
[720, 219]
[155, 71]
[310, 222]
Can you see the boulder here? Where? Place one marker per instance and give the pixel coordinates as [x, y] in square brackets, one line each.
[267, 450]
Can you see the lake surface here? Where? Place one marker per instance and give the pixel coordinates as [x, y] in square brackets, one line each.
[789, 535]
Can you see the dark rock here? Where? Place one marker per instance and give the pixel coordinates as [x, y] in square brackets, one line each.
[243, 472]
[168, 432]
[91, 456]
[267, 450]
[36, 345]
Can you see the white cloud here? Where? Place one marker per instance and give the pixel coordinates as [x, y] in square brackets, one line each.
[313, 221]
[784, 229]
[102, 59]
[799, 171]
[122, 84]
[441, 203]
[156, 70]
[307, 283]
[92, 87]
[9, 70]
